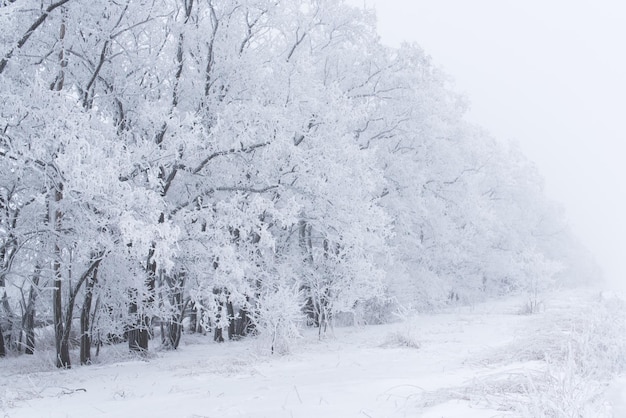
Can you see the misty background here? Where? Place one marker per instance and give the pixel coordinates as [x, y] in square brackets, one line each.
[548, 76]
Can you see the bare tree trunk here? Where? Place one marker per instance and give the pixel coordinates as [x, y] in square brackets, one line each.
[63, 356]
[85, 339]
[174, 331]
[62, 350]
[3, 350]
[28, 323]
[139, 335]
[243, 324]
[85, 335]
[194, 323]
[218, 336]
[9, 343]
[61, 346]
[174, 327]
[231, 319]
[305, 243]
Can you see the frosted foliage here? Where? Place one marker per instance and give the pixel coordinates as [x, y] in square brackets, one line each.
[246, 167]
[279, 318]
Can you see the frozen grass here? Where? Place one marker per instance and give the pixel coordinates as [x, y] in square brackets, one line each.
[562, 368]
[405, 334]
[401, 339]
[579, 365]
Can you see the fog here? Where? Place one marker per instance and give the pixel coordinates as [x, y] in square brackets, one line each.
[549, 76]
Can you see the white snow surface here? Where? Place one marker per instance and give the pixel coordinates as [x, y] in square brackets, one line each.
[486, 360]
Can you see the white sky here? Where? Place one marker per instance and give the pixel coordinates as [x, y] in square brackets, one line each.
[550, 75]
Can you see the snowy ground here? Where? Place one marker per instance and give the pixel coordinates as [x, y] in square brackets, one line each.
[481, 361]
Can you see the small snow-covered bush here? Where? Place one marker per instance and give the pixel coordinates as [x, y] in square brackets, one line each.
[405, 335]
[533, 305]
[373, 311]
[279, 319]
[401, 339]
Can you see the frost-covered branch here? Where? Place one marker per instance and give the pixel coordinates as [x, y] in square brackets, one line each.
[30, 31]
[231, 151]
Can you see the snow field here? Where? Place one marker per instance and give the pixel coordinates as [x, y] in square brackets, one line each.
[482, 361]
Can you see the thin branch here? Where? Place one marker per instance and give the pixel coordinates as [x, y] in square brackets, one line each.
[250, 26]
[223, 189]
[169, 180]
[86, 103]
[29, 32]
[243, 189]
[210, 54]
[298, 42]
[248, 149]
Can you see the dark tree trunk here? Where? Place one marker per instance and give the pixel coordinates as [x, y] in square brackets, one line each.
[95, 337]
[63, 360]
[138, 340]
[174, 327]
[29, 330]
[85, 336]
[85, 339]
[323, 315]
[306, 247]
[139, 335]
[243, 324]
[3, 347]
[9, 343]
[3, 350]
[235, 328]
[194, 323]
[309, 309]
[63, 356]
[131, 333]
[231, 319]
[60, 343]
[218, 335]
[29, 317]
[174, 332]
[62, 350]
[305, 242]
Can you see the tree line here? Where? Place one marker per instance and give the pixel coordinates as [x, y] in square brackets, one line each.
[244, 166]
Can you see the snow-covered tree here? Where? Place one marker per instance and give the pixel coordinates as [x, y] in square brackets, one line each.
[260, 164]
